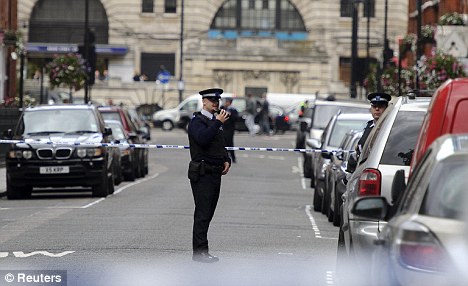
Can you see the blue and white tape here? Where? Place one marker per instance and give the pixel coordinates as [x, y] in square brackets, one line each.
[157, 146]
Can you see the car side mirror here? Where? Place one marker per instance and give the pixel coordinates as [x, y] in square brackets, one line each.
[107, 131]
[371, 208]
[8, 133]
[398, 186]
[327, 155]
[313, 143]
[132, 135]
[352, 163]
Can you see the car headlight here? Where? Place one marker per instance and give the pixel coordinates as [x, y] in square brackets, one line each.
[18, 154]
[89, 152]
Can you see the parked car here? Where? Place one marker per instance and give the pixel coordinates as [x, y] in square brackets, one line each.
[314, 121]
[422, 243]
[128, 159]
[336, 173]
[388, 148]
[447, 113]
[180, 116]
[45, 165]
[332, 136]
[132, 131]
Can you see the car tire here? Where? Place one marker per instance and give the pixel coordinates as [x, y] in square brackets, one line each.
[18, 193]
[325, 198]
[307, 166]
[101, 190]
[336, 213]
[317, 201]
[167, 125]
[110, 185]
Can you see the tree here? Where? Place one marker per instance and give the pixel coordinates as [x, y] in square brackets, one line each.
[67, 71]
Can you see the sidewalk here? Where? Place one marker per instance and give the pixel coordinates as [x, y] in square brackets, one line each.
[2, 181]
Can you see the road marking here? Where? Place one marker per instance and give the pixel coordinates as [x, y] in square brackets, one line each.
[301, 172]
[119, 190]
[21, 254]
[329, 278]
[312, 221]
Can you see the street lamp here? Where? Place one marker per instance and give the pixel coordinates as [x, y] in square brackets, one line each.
[180, 84]
[354, 45]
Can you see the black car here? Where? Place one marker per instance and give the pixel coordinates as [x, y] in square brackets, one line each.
[36, 163]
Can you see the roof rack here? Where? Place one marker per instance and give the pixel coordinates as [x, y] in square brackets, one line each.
[413, 93]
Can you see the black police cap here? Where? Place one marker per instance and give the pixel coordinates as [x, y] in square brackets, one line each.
[379, 97]
[211, 92]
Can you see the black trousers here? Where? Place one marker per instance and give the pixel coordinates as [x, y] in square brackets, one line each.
[205, 194]
[229, 140]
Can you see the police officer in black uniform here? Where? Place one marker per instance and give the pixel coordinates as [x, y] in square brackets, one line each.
[209, 162]
[379, 102]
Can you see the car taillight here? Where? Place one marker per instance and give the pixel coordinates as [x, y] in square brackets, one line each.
[286, 118]
[369, 183]
[417, 248]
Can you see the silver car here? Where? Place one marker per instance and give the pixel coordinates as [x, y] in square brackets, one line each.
[332, 136]
[388, 148]
[424, 242]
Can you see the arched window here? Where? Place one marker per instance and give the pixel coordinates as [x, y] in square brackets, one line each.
[62, 21]
[258, 18]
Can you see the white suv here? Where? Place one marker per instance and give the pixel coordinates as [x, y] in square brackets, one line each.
[388, 148]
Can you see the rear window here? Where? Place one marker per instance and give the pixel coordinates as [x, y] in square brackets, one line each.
[446, 193]
[402, 139]
[111, 116]
[460, 122]
[323, 113]
[341, 128]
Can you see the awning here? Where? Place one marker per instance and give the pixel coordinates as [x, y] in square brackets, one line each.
[53, 48]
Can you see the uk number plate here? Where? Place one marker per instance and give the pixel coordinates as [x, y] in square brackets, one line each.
[54, 170]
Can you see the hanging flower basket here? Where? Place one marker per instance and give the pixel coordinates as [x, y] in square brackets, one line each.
[453, 19]
[11, 37]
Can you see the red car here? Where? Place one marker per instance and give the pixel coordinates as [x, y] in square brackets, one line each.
[133, 131]
[447, 114]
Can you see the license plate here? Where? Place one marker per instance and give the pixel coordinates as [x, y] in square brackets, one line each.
[54, 170]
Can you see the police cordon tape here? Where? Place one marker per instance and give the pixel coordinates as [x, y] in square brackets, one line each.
[157, 146]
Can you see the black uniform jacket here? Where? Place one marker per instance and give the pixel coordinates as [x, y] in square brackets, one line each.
[207, 141]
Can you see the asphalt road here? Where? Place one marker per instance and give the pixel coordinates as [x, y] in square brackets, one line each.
[263, 231]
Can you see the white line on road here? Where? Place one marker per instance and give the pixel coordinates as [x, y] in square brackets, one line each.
[312, 221]
[120, 190]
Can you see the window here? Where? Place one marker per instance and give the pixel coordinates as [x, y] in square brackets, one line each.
[369, 8]
[170, 6]
[151, 64]
[346, 8]
[402, 139]
[258, 15]
[147, 6]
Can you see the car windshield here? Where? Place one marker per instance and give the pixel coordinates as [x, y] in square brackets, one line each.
[341, 128]
[117, 131]
[58, 120]
[402, 139]
[446, 195]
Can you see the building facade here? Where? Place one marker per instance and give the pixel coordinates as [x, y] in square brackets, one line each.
[242, 46]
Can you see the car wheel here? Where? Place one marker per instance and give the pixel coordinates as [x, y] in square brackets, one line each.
[102, 189]
[336, 213]
[307, 166]
[167, 125]
[110, 185]
[18, 193]
[317, 201]
[325, 197]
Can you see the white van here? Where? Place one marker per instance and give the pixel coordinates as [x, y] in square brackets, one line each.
[181, 114]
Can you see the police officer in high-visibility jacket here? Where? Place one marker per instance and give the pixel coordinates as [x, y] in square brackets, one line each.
[209, 162]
